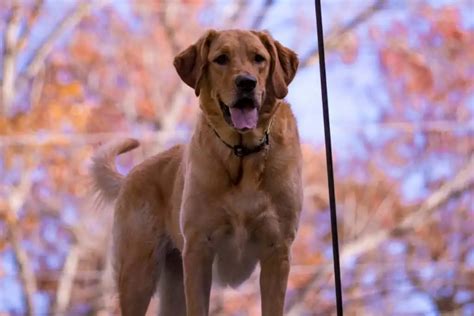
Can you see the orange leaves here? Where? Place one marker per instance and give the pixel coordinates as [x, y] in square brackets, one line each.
[105, 119]
[409, 66]
[50, 117]
[84, 49]
[432, 62]
[428, 67]
[59, 113]
[146, 109]
[419, 75]
[446, 22]
[70, 90]
[195, 2]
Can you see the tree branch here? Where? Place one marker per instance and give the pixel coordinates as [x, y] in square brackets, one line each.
[237, 12]
[30, 20]
[10, 39]
[27, 277]
[14, 234]
[66, 281]
[334, 37]
[463, 181]
[68, 22]
[257, 23]
[170, 9]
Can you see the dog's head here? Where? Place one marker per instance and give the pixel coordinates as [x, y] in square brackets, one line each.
[237, 74]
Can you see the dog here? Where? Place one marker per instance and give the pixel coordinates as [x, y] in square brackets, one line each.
[227, 200]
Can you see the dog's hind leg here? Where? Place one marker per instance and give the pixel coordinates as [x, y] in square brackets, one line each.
[172, 299]
[140, 250]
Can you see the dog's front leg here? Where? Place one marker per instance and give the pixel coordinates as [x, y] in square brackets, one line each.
[275, 268]
[197, 260]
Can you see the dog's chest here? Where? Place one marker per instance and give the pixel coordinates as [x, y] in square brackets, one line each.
[248, 226]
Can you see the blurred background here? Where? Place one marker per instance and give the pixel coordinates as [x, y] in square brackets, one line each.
[75, 74]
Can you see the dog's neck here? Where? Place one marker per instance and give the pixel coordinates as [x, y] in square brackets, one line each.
[241, 169]
[221, 142]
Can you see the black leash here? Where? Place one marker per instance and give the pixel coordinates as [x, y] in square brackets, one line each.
[327, 138]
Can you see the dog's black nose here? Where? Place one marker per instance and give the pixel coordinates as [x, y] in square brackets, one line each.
[245, 83]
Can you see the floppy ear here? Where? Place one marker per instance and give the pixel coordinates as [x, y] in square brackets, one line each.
[283, 66]
[191, 62]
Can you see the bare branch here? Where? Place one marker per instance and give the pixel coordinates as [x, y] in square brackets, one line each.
[37, 86]
[107, 285]
[257, 23]
[66, 281]
[334, 37]
[30, 20]
[68, 22]
[27, 277]
[171, 8]
[178, 102]
[237, 12]
[10, 40]
[169, 121]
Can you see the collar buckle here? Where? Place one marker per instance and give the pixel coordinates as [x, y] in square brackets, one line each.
[239, 150]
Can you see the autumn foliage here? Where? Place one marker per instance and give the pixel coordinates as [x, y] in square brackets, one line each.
[74, 76]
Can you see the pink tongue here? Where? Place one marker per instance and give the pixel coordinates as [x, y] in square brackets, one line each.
[244, 117]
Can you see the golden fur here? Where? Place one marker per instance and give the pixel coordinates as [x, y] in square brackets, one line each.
[198, 207]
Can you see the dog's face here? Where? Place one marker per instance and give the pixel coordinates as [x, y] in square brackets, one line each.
[236, 73]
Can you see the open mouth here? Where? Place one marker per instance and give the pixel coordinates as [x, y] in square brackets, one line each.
[242, 115]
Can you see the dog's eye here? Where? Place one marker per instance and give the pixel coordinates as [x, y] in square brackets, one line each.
[259, 58]
[221, 59]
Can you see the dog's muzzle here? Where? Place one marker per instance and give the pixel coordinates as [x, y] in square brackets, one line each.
[242, 114]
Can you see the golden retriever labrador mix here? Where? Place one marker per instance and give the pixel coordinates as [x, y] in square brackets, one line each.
[228, 199]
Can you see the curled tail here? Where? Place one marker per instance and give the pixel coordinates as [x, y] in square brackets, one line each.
[106, 180]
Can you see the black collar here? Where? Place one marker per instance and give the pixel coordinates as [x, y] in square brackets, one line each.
[242, 151]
